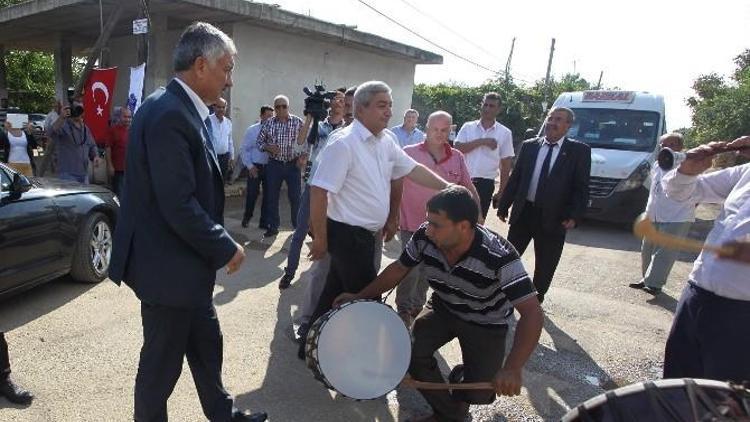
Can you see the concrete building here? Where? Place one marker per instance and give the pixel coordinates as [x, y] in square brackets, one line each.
[279, 52]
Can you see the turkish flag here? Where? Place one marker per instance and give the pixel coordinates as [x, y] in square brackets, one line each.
[98, 94]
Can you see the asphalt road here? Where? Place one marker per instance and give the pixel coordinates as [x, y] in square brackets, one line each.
[76, 346]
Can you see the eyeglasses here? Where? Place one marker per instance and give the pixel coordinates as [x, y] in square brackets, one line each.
[278, 106]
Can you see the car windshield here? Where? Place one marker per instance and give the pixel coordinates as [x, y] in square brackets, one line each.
[630, 130]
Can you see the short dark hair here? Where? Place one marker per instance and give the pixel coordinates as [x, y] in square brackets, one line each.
[350, 92]
[342, 90]
[457, 204]
[494, 96]
[265, 108]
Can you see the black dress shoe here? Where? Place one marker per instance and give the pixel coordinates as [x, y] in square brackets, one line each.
[652, 290]
[286, 281]
[270, 233]
[245, 221]
[14, 393]
[244, 416]
[638, 285]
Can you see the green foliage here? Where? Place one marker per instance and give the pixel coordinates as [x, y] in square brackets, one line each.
[721, 107]
[31, 80]
[522, 106]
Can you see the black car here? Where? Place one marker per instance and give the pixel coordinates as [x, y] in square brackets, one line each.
[50, 228]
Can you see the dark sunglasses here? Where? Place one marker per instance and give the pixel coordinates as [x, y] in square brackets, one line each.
[278, 106]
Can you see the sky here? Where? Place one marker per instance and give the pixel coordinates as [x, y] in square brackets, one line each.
[660, 46]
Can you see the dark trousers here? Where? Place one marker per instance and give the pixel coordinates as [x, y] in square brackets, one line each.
[482, 351]
[4, 358]
[277, 172]
[224, 165]
[485, 189]
[548, 245]
[710, 337]
[169, 336]
[118, 182]
[300, 233]
[352, 267]
[252, 190]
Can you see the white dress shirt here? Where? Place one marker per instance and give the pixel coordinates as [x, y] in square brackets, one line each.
[484, 162]
[223, 142]
[730, 279]
[661, 209]
[200, 106]
[540, 156]
[356, 168]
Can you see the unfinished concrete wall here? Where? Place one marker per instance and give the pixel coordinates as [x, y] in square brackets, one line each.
[272, 63]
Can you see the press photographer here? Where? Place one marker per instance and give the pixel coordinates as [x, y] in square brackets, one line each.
[74, 144]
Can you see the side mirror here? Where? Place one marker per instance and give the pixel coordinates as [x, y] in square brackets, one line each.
[20, 184]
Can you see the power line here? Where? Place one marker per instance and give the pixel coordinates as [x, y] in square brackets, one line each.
[495, 72]
[427, 15]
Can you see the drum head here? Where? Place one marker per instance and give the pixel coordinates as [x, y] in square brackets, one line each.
[364, 350]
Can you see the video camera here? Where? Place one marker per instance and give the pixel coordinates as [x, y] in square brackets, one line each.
[76, 109]
[317, 103]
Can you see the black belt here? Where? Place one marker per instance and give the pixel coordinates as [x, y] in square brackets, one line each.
[293, 160]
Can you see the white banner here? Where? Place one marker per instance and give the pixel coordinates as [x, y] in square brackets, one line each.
[135, 94]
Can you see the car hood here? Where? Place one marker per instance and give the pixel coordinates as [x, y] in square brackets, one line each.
[615, 164]
[65, 187]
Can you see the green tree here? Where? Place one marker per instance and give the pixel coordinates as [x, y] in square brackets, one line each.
[721, 106]
[31, 80]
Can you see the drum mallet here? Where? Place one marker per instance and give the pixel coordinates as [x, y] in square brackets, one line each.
[644, 229]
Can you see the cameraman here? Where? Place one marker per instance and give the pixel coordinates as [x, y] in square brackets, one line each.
[75, 145]
[314, 110]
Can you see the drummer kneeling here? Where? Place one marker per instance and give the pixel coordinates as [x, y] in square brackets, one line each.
[478, 279]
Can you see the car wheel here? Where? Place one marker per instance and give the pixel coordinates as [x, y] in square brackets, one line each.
[93, 250]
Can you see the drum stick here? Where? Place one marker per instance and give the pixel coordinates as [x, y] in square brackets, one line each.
[424, 385]
[644, 229]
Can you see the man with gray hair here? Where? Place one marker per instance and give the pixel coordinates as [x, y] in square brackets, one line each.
[170, 240]
[408, 133]
[549, 191]
[279, 138]
[350, 195]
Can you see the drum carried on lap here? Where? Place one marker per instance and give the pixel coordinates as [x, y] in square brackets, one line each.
[673, 400]
[361, 350]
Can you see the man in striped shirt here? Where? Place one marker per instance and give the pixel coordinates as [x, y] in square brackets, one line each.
[279, 137]
[478, 279]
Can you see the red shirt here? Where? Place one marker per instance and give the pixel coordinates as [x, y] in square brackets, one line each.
[117, 140]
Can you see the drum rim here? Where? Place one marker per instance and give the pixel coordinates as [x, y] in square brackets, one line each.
[638, 387]
[313, 347]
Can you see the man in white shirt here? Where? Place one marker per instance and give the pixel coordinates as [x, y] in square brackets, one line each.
[350, 194]
[710, 335]
[408, 133]
[487, 146]
[667, 216]
[222, 137]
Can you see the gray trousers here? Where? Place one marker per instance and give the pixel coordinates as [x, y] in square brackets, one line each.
[657, 261]
[411, 292]
[319, 272]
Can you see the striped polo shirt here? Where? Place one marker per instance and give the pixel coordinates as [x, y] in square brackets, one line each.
[481, 287]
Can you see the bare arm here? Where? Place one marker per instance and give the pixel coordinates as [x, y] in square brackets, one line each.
[387, 280]
[318, 221]
[508, 380]
[391, 224]
[302, 135]
[421, 175]
[466, 147]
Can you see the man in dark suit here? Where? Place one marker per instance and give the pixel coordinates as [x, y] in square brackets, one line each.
[170, 240]
[549, 191]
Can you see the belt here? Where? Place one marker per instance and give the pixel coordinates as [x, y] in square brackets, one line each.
[293, 160]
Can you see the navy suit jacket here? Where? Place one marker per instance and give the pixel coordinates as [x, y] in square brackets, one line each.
[170, 240]
[567, 189]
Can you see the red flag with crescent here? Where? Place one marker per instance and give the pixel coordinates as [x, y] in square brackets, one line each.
[97, 101]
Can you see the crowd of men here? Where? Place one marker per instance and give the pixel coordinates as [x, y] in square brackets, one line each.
[355, 184]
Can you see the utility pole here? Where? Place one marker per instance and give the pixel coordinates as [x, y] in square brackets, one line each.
[599, 84]
[549, 69]
[510, 57]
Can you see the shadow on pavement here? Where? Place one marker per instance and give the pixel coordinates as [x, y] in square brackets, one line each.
[562, 377]
[38, 301]
[597, 234]
[664, 301]
[290, 393]
[256, 277]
